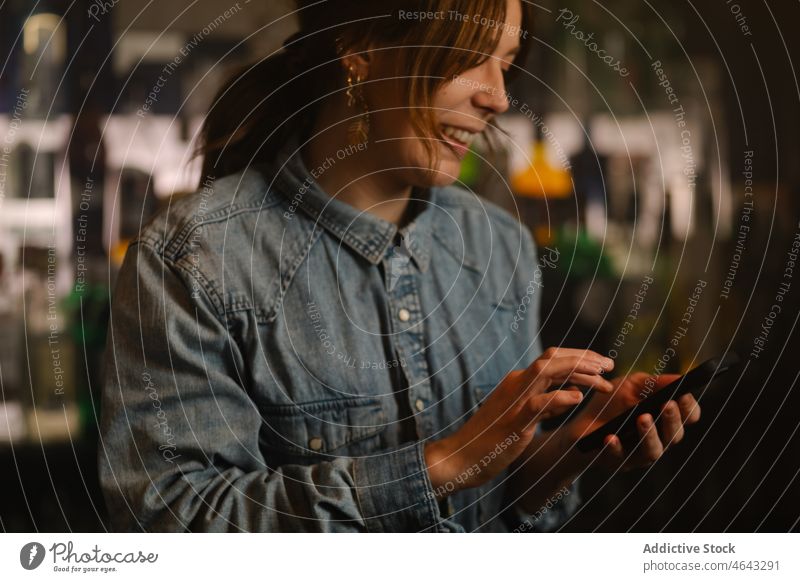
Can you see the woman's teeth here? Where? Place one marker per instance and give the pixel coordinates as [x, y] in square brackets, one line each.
[460, 135]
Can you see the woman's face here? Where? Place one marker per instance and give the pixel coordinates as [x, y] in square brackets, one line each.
[463, 107]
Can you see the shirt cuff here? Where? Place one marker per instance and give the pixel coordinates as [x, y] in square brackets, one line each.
[394, 491]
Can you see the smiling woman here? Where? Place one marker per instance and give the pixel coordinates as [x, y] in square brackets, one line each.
[410, 61]
[330, 326]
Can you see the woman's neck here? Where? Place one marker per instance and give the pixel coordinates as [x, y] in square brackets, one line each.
[354, 174]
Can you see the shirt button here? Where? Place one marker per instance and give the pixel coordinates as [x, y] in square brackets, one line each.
[315, 444]
[403, 315]
[420, 405]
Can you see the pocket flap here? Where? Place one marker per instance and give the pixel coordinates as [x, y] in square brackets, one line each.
[322, 427]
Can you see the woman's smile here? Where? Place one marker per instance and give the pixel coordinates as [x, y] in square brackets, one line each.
[460, 139]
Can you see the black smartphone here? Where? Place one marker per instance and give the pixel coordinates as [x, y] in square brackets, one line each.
[695, 381]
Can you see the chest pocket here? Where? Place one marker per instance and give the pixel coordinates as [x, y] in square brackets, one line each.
[322, 430]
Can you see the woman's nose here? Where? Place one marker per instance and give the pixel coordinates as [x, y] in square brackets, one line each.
[491, 95]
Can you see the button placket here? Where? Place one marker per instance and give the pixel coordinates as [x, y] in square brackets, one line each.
[409, 341]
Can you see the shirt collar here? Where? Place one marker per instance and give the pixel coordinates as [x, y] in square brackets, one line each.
[369, 236]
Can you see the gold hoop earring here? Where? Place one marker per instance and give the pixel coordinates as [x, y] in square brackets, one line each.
[358, 129]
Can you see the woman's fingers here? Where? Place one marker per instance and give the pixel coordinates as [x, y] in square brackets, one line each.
[528, 388]
[604, 363]
[670, 424]
[597, 382]
[555, 352]
[689, 408]
[614, 448]
[550, 404]
[649, 448]
[544, 372]
[654, 438]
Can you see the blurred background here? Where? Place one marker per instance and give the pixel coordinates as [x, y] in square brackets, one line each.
[652, 150]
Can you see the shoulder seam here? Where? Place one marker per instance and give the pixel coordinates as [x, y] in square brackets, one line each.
[178, 241]
[173, 245]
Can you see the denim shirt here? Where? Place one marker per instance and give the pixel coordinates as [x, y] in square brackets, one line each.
[277, 359]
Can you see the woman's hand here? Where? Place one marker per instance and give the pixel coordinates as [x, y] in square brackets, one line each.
[501, 429]
[656, 435]
[552, 461]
